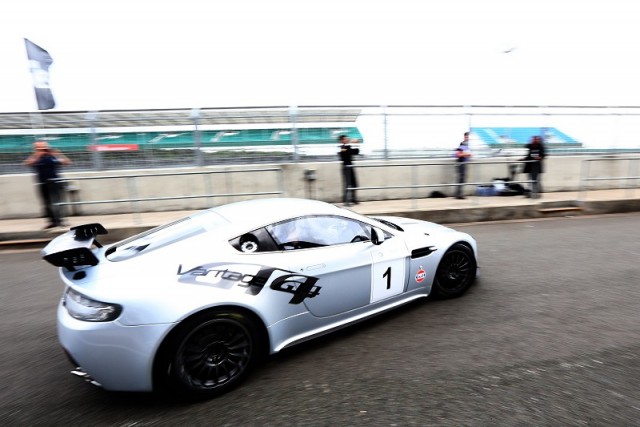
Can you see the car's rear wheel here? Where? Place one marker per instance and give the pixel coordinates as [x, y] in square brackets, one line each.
[208, 355]
[456, 272]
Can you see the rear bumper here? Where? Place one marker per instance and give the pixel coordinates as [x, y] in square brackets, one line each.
[113, 356]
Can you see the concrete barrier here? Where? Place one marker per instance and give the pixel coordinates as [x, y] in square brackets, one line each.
[20, 199]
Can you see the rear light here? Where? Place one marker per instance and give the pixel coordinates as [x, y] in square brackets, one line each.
[81, 307]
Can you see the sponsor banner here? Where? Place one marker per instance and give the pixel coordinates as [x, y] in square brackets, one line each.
[114, 147]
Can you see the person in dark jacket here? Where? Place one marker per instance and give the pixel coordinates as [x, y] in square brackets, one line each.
[534, 166]
[346, 154]
[46, 163]
[463, 154]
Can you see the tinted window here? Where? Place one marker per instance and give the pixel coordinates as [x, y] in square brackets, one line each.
[317, 231]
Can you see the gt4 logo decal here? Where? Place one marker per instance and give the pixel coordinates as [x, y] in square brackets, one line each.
[300, 286]
[223, 276]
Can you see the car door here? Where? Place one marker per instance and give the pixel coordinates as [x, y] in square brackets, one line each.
[341, 274]
[389, 264]
[349, 271]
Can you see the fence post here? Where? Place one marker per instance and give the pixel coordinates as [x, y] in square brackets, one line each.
[195, 115]
[384, 129]
[293, 114]
[93, 138]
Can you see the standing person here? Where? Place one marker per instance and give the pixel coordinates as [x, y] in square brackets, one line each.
[533, 167]
[46, 162]
[346, 154]
[463, 154]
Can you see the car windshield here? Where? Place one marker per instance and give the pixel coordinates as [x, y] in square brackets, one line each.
[164, 235]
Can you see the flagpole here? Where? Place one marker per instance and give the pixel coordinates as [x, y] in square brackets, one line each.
[37, 122]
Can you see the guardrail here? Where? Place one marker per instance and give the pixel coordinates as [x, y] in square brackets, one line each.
[585, 178]
[135, 200]
[473, 167]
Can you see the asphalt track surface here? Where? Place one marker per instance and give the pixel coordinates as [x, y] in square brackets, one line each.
[548, 336]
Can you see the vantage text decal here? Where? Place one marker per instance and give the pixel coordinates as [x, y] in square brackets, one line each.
[220, 275]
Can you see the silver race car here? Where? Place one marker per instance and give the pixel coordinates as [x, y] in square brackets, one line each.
[189, 307]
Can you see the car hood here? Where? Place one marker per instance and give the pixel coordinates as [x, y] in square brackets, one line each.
[411, 225]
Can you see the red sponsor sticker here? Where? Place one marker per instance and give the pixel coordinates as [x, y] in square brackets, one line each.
[420, 275]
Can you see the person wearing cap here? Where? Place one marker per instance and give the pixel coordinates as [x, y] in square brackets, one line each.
[46, 162]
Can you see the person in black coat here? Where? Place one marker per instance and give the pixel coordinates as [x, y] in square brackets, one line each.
[534, 166]
[346, 154]
[46, 161]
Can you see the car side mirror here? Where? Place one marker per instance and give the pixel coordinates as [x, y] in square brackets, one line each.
[377, 236]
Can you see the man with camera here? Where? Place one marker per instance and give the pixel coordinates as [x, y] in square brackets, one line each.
[46, 161]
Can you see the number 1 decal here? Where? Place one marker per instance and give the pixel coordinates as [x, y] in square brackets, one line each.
[384, 283]
[387, 274]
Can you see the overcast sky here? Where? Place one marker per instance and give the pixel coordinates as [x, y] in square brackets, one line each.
[126, 54]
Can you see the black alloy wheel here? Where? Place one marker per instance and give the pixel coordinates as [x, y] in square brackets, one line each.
[209, 355]
[456, 272]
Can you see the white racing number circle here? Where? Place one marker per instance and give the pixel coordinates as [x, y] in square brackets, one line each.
[249, 246]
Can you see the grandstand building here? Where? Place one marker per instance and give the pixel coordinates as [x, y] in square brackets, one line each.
[211, 130]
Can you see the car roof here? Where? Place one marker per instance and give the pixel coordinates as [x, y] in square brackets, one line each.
[259, 212]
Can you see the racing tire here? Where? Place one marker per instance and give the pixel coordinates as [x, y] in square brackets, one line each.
[456, 272]
[208, 355]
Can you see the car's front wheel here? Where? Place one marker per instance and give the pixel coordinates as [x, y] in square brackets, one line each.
[208, 355]
[456, 272]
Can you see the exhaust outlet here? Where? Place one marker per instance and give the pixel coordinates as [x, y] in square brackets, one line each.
[80, 373]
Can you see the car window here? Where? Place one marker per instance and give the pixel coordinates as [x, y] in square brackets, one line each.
[317, 231]
[164, 235]
[255, 241]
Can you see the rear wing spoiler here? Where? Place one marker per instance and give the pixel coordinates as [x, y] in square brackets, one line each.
[74, 248]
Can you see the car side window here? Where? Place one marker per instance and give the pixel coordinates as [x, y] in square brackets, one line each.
[317, 231]
[254, 241]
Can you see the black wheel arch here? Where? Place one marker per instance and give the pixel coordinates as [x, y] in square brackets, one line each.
[263, 347]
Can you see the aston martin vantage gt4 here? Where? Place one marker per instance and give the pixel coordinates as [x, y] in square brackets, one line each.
[190, 307]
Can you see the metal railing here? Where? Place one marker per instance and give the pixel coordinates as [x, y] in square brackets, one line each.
[632, 174]
[397, 132]
[135, 200]
[414, 185]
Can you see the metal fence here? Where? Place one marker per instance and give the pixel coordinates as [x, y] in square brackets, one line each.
[631, 177]
[73, 201]
[475, 172]
[110, 140]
